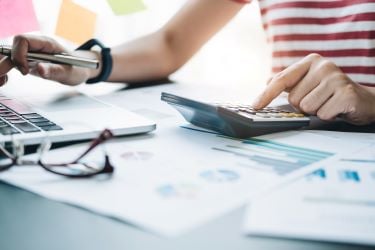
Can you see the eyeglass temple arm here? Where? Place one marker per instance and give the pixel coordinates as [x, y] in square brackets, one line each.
[6, 152]
[104, 135]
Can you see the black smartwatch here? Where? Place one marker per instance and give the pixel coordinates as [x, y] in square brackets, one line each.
[106, 60]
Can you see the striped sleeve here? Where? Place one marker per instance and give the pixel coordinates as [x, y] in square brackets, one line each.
[342, 31]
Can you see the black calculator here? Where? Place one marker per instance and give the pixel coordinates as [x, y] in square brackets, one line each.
[236, 120]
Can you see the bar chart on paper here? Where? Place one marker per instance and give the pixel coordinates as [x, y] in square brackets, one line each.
[343, 175]
[272, 156]
[339, 175]
[355, 177]
[334, 203]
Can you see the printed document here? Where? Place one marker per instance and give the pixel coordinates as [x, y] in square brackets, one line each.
[176, 179]
[334, 203]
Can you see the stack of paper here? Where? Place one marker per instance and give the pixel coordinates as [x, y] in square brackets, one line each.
[335, 203]
[171, 191]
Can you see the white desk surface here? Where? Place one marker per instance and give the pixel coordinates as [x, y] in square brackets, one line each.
[28, 221]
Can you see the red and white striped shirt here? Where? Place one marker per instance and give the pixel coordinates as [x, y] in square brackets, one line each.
[340, 30]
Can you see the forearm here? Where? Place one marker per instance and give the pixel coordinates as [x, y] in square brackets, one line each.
[146, 58]
[143, 59]
[159, 54]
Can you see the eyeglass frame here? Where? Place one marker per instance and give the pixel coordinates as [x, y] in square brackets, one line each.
[16, 159]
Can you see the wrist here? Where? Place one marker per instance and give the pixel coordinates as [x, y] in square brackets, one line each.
[93, 73]
[90, 54]
[105, 66]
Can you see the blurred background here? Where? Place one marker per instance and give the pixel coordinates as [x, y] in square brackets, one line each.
[238, 56]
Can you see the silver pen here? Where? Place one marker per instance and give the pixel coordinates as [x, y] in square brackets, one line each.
[62, 58]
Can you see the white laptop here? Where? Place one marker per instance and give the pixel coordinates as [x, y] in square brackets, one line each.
[63, 116]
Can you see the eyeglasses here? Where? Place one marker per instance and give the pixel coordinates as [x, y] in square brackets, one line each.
[93, 161]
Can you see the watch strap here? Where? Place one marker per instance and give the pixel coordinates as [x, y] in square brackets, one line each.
[106, 60]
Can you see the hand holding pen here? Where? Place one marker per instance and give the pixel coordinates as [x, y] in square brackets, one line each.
[44, 57]
[61, 58]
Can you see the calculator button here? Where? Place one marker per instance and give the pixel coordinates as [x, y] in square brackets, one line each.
[247, 115]
[275, 115]
[290, 115]
[294, 115]
[263, 115]
[232, 109]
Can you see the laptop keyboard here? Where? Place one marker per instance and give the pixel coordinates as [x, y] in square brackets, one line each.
[16, 118]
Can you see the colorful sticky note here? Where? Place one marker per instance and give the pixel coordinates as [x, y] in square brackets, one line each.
[123, 7]
[75, 23]
[17, 16]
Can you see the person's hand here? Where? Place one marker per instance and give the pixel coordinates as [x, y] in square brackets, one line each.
[318, 87]
[5, 66]
[65, 74]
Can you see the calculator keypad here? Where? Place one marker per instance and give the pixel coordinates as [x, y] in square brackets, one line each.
[265, 114]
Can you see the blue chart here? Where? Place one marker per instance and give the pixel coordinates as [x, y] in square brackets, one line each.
[220, 175]
[182, 190]
[317, 174]
[349, 175]
[342, 175]
[272, 156]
